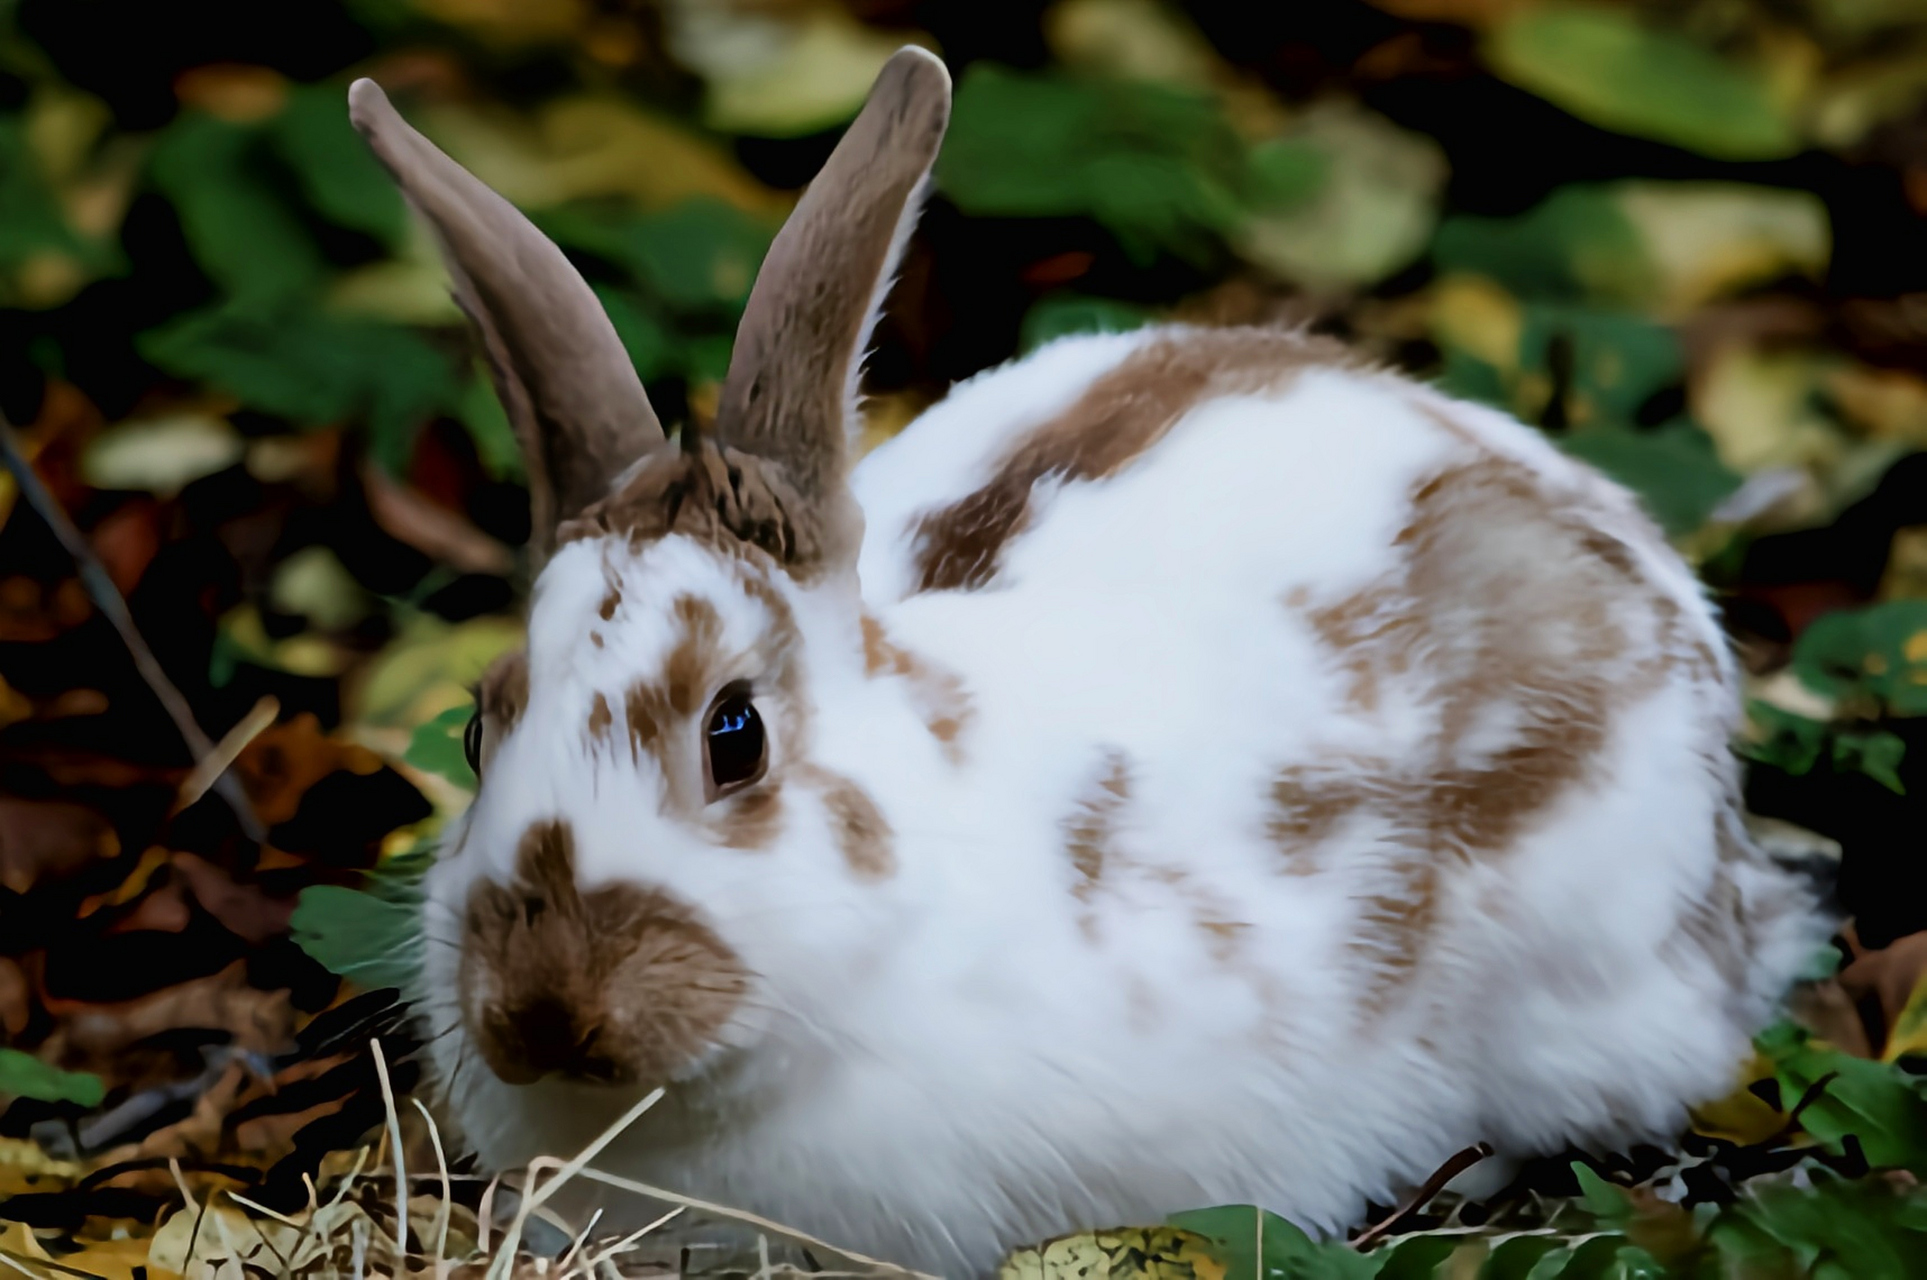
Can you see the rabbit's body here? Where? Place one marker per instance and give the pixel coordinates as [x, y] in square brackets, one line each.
[1229, 774]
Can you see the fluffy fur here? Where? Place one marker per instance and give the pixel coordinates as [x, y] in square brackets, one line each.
[946, 1062]
[1225, 772]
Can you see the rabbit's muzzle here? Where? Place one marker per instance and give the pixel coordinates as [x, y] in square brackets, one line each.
[619, 985]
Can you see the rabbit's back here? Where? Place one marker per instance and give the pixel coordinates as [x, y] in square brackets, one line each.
[1416, 729]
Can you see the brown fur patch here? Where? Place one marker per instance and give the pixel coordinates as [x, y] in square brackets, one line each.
[940, 696]
[1122, 414]
[600, 718]
[500, 696]
[863, 835]
[620, 984]
[1520, 655]
[1090, 832]
[725, 499]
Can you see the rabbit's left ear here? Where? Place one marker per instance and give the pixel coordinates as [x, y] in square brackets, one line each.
[790, 397]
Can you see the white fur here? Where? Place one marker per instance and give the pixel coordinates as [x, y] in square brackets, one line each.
[941, 1064]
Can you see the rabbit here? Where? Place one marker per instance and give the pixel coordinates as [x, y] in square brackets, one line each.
[1185, 766]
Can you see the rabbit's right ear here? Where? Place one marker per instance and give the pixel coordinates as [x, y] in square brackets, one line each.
[577, 407]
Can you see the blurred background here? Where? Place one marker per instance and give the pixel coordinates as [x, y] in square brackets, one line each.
[1686, 238]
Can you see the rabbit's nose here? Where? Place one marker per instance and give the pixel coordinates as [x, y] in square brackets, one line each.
[547, 1037]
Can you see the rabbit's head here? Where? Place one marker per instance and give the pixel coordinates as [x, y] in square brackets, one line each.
[652, 839]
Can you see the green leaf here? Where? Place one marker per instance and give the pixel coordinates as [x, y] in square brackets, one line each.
[649, 342]
[1601, 1198]
[1790, 742]
[1882, 1106]
[1158, 166]
[339, 175]
[243, 235]
[1518, 1258]
[1612, 360]
[488, 426]
[1577, 243]
[699, 256]
[33, 225]
[25, 1076]
[1259, 1245]
[1674, 469]
[436, 747]
[1874, 752]
[1057, 314]
[1604, 65]
[360, 936]
[313, 368]
[1877, 652]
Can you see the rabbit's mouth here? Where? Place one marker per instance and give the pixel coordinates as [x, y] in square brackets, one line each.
[620, 986]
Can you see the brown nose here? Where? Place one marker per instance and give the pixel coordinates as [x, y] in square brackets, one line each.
[618, 984]
[543, 1037]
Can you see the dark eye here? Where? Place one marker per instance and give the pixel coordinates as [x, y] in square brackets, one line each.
[472, 741]
[733, 743]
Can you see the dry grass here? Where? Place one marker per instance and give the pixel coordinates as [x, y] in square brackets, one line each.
[372, 1219]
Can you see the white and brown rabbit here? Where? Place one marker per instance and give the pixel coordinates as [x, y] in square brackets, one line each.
[1184, 767]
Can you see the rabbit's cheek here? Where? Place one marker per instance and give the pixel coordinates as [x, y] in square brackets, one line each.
[620, 985]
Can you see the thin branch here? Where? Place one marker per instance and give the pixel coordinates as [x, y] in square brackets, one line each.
[1451, 1169]
[107, 598]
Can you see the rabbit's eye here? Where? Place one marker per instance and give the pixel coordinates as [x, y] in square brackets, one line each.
[735, 748]
[472, 742]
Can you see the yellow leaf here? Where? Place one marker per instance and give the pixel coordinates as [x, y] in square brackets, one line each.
[779, 72]
[162, 454]
[1909, 1035]
[427, 669]
[1707, 239]
[1480, 318]
[588, 145]
[18, 1239]
[1741, 1116]
[509, 23]
[127, 1258]
[1157, 1253]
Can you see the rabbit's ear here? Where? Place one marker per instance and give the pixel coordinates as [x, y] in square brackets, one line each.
[791, 392]
[577, 407]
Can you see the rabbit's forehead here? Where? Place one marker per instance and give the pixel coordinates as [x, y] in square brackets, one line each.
[609, 609]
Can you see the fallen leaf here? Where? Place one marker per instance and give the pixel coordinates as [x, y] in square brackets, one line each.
[1607, 65]
[779, 72]
[283, 762]
[243, 909]
[93, 1036]
[160, 455]
[1372, 214]
[407, 515]
[314, 584]
[1890, 979]
[49, 839]
[586, 146]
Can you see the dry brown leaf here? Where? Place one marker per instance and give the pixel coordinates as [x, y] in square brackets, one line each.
[16, 998]
[281, 764]
[49, 839]
[1885, 980]
[406, 514]
[236, 92]
[243, 909]
[92, 1036]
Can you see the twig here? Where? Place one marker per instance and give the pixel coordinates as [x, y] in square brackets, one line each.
[215, 764]
[1451, 1169]
[107, 598]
